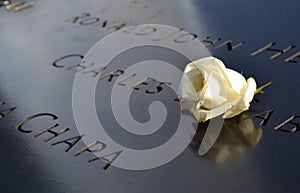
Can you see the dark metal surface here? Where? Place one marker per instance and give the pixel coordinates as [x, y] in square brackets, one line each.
[32, 39]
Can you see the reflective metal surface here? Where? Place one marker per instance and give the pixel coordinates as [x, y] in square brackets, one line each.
[265, 160]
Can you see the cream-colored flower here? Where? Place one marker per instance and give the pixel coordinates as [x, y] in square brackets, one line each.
[209, 89]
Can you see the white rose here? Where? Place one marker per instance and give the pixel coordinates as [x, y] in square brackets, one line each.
[209, 89]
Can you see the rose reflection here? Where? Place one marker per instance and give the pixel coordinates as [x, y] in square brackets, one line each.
[238, 133]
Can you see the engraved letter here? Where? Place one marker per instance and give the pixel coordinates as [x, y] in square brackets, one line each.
[4, 113]
[291, 122]
[70, 142]
[20, 125]
[108, 159]
[88, 148]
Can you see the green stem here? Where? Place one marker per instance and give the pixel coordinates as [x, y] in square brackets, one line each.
[260, 89]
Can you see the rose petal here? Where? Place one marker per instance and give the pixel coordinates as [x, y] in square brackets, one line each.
[237, 81]
[203, 115]
[244, 103]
